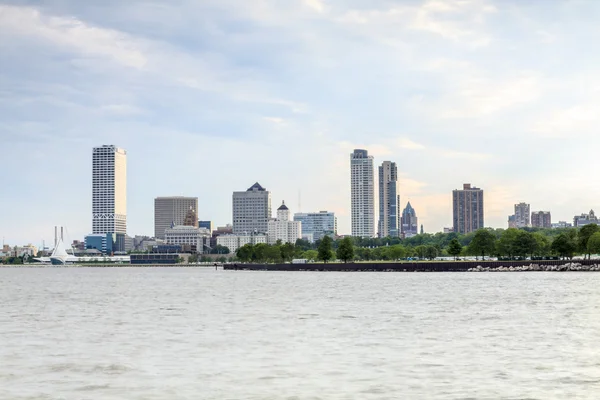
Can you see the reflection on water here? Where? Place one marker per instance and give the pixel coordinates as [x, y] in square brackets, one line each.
[169, 333]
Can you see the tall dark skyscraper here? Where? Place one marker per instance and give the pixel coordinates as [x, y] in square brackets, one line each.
[389, 200]
[467, 209]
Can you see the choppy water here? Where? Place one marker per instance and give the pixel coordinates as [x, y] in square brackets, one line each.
[158, 333]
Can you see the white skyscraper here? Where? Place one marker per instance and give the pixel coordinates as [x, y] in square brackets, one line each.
[362, 190]
[109, 190]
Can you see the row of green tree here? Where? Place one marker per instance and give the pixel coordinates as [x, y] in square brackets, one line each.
[509, 244]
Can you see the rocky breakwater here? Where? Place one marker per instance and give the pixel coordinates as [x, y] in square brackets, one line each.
[542, 268]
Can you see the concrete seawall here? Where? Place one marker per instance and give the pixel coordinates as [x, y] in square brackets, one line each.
[449, 266]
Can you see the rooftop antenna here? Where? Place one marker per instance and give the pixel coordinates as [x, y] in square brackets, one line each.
[299, 200]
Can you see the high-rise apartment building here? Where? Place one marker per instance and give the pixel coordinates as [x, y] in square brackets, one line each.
[317, 225]
[467, 209]
[362, 191]
[409, 222]
[172, 211]
[109, 190]
[522, 215]
[251, 210]
[541, 219]
[389, 200]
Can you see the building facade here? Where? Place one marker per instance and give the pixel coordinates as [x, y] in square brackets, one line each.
[206, 225]
[173, 211]
[234, 242]
[522, 215]
[197, 240]
[389, 201]
[541, 219]
[362, 203]
[467, 209]
[109, 190]
[409, 222]
[585, 219]
[316, 226]
[108, 243]
[281, 228]
[251, 210]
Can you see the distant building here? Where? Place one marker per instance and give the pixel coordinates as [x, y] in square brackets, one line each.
[389, 201]
[197, 239]
[522, 215]
[251, 210]
[28, 250]
[362, 200]
[317, 225]
[585, 219]
[467, 209]
[78, 245]
[512, 221]
[221, 230]
[541, 219]
[448, 230]
[562, 224]
[409, 222]
[108, 243]
[206, 225]
[281, 228]
[173, 211]
[234, 242]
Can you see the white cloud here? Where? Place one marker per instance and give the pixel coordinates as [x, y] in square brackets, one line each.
[72, 34]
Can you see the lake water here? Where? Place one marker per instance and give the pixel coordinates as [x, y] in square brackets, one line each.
[176, 333]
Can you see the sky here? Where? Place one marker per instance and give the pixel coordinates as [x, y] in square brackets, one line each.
[210, 96]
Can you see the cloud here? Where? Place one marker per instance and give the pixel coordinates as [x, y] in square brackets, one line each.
[316, 5]
[405, 143]
[73, 34]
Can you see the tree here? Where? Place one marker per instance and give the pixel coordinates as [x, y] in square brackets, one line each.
[454, 248]
[593, 244]
[397, 252]
[324, 250]
[273, 253]
[585, 233]
[431, 252]
[219, 249]
[564, 245]
[525, 243]
[345, 250]
[260, 252]
[507, 244]
[483, 243]
[245, 253]
[542, 247]
[287, 251]
[310, 255]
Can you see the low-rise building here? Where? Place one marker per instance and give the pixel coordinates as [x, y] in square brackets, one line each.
[585, 219]
[234, 242]
[196, 238]
[561, 224]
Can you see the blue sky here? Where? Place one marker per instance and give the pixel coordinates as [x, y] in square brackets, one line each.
[209, 96]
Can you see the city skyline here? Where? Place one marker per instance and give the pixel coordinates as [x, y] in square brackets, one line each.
[444, 92]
